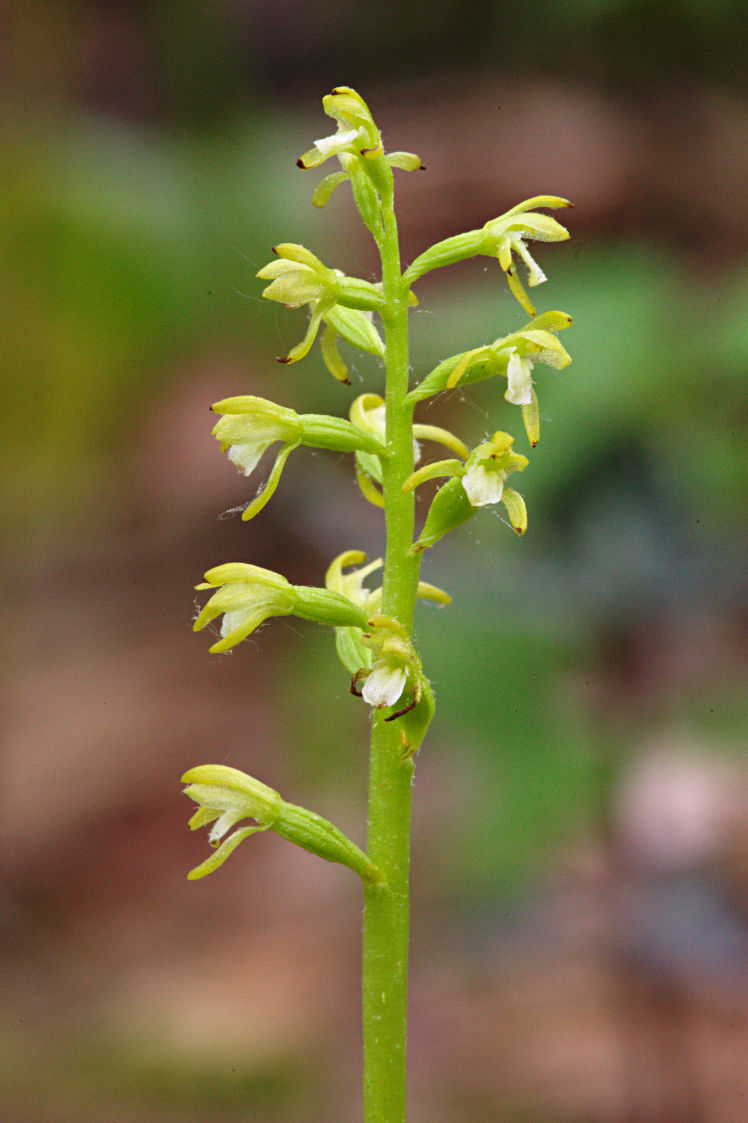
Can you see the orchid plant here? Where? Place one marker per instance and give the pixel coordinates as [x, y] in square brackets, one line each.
[373, 626]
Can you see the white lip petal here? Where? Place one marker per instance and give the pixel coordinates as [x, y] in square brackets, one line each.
[483, 487]
[336, 143]
[246, 457]
[384, 684]
[232, 620]
[224, 823]
[519, 377]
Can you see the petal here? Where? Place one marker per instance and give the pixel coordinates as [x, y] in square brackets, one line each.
[340, 142]
[324, 189]
[246, 457]
[331, 356]
[535, 276]
[219, 856]
[273, 479]
[384, 684]
[483, 486]
[224, 823]
[531, 418]
[519, 376]
[515, 506]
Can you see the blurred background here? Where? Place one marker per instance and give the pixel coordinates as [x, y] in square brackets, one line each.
[580, 866]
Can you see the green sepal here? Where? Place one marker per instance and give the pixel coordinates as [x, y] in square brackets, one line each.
[324, 189]
[367, 486]
[219, 856]
[434, 471]
[273, 480]
[405, 161]
[331, 356]
[351, 650]
[370, 465]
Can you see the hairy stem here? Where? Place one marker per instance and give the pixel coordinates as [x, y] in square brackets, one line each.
[386, 908]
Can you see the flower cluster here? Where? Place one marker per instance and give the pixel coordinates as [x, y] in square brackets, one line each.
[376, 649]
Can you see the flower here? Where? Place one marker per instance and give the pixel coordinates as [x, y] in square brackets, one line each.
[356, 134]
[476, 483]
[500, 237]
[249, 426]
[300, 278]
[226, 796]
[246, 596]
[515, 356]
[486, 470]
[506, 235]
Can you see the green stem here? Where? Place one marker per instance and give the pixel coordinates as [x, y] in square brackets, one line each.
[386, 908]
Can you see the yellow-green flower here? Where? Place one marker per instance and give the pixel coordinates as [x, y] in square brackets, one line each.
[507, 235]
[501, 238]
[486, 470]
[250, 425]
[297, 277]
[356, 133]
[247, 595]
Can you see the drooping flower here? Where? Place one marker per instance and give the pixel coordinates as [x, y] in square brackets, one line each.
[247, 595]
[249, 426]
[225, 796]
